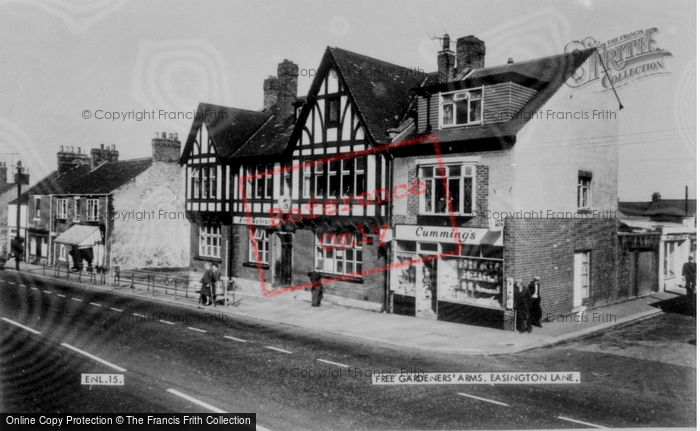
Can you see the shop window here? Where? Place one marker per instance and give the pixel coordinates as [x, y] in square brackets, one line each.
[461, 108]
[339, 253]
[62, 208]
[584, 190]
[262, 241]
[449, 189]
[93, 209]
[352, 176]
[210, 241]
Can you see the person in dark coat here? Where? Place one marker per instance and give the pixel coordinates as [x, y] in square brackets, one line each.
[689, 273]
[316, 289]
[215, 279]
[207, 278]
[523, 305]
[536, 292]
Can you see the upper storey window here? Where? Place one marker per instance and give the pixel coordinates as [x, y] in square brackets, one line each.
[461, 108]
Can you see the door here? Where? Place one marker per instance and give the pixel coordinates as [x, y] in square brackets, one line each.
[645, 272]
[426, 289]
[282, 270]
[581, 277]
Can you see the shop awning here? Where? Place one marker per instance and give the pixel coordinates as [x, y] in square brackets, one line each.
[494, 238]
[81, 235]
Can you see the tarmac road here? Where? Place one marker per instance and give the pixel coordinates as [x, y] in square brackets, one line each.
[240, 365]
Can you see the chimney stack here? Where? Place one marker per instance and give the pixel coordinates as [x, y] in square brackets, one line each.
[67, 159]
[446, 61]
[270, 92]
[166, 149]
[287, 82]
[471, 52]
[3, 173]
[103, 155]
[656, 197]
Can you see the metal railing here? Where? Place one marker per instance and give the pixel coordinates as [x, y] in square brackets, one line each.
[97, 274]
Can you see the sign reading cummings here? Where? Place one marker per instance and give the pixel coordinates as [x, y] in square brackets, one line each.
[627, 58]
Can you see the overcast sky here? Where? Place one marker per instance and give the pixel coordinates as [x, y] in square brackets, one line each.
[62, 57]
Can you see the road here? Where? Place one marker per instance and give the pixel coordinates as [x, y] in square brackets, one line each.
[640, 375]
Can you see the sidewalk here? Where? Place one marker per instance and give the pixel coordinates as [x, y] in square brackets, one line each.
[404, 331]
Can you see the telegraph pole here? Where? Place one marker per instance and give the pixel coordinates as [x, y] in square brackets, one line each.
[19, 178]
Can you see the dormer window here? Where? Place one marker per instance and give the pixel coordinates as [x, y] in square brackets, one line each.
[461, 108]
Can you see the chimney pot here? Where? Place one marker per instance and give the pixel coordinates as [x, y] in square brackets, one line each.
[170, 136]
[72, 149]
[102, 146]
[114, 147]
[157, 135]
[176, 136]
[446, 42]
[510, 60]
[78, 150]
[163, 136]
[60, 149]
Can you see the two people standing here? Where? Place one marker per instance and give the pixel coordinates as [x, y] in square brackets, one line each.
[528, 305]
[209, 280]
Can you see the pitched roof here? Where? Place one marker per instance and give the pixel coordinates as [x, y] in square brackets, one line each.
[546, 75]
[662, 207]
[54, 183]
[381, 90]
[270, 139]
[7, 187]
[229, 128]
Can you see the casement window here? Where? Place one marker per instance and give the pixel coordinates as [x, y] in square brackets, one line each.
[333, 178]
[210, 241]
[76, 208]
[457, 198]
[262, 243]
[208, 182]
[212, 181]
[37, 207]
[93, 209]
[319, 183]
[339, 253]
[352, 176]
[584, 190]
[195, 182]
[264, 182]
[333, 111]
[307, 180]
[287, 182]
[461, 108]
[62, 208]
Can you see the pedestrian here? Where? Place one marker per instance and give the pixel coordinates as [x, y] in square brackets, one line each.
[536, 292]
[316, 289]
[206, 285]
[215, 280]
[523, 305]
[689, 273]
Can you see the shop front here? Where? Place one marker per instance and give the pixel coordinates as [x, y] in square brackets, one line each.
[676, 248]
[447, 274]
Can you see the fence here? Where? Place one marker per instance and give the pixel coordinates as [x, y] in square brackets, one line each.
[98, 274]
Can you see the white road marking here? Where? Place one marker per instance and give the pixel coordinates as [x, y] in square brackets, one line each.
[91, 356]
[96, 305]
[22, 285]
[76, 299]
[34, 288]
[195, 329]
[33, 331]
[140, 315]
[333, 363]
[11, 282]
[579, 422]
[483, 399]
[196, 401]
[47, 291]
[62, 296]
[116, 309]
[235, 339]
[279, 350]
[165, 321]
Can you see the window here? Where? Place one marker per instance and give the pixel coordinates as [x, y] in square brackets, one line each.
[37, 207]
[62, 252]
[319, 186]
[287, 181]
[264, 182]
[584, 190]
[464, 107]
[333, 179]
[339, 253]
[205, 182]
[307, 180]
[585, 274]
[62, 205]
[459, 194]
[76, 208]
[212, 181]
[210, 241]
[352, 176]
[333, 113]
[93, 209]
[196, 182]
[262, 241]
[208, 181]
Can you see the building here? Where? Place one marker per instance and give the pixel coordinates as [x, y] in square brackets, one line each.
[98, 211]
[656, 238]
[8, 192]
[508, 192]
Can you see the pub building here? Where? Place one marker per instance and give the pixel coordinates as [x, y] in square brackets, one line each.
[496, 157]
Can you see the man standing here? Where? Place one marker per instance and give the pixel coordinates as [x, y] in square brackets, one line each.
[535, 290]
[523, 305]
[689, 272]
[215, 280]
[207, 278]
[316, 289]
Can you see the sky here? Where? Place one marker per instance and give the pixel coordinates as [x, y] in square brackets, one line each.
[65, 60]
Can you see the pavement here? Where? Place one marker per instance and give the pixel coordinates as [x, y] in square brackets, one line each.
[396, 330]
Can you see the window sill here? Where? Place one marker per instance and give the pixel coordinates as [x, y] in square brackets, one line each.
[355, 280]
[255, 265]
[453, 126]
[584, 211]
[208, 259]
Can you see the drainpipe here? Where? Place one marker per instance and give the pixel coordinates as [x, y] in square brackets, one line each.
[390, 246]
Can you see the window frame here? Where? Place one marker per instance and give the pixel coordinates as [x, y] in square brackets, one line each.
[262, 239]
[212, 232]
[585, 272]
[431, 184]
[583, 192]
[330, 109]
[327, 261]
[76, 209]
[353, 172]
[453, 103]
[37, 207]
[93, 204]
[62, 208]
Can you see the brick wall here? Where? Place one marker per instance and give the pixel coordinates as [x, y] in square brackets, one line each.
[546, 248]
